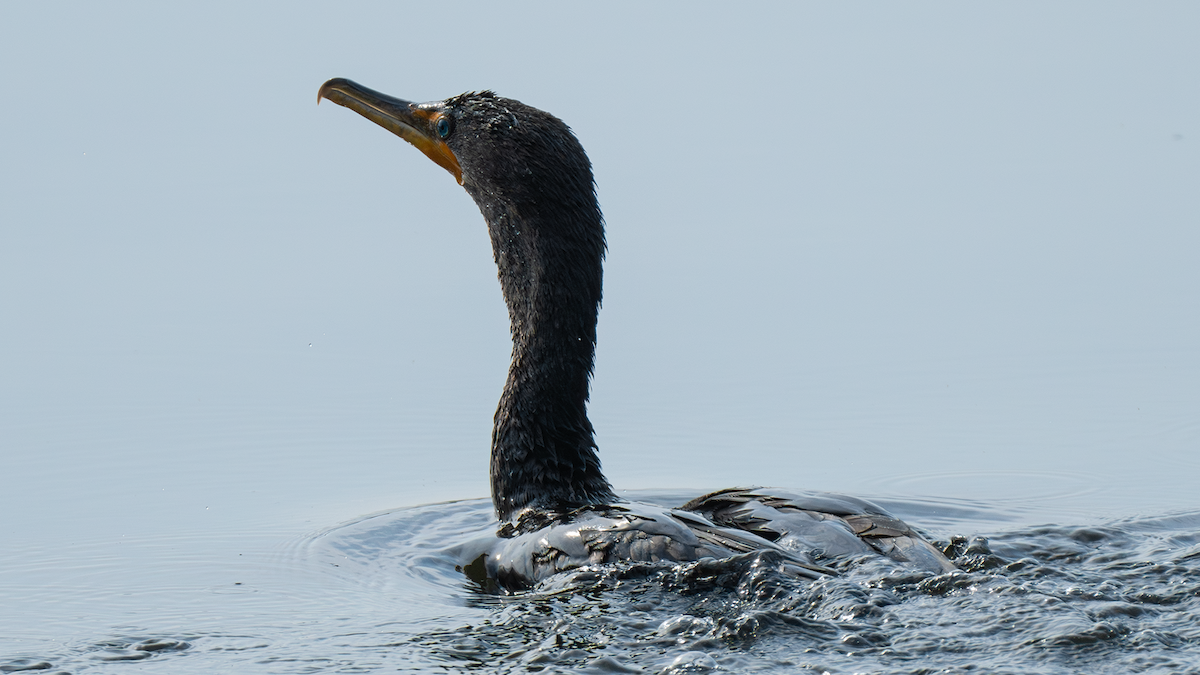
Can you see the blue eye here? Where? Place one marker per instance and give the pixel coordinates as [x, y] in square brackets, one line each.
[444, 127]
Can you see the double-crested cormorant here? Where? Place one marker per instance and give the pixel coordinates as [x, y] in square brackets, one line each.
[533, 183]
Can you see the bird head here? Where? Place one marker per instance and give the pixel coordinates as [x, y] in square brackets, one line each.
[495, 147]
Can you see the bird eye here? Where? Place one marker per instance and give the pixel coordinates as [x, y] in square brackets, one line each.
[444, 127]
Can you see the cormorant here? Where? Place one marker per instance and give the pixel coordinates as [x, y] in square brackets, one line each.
[533, 183]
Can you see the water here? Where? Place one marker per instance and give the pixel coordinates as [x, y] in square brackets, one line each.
[883, 253]
[213, 514]
[381, 593]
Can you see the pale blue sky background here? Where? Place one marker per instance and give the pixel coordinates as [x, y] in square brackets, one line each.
[928, 249]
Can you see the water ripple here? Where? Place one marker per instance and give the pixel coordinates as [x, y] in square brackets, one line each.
[382, 593]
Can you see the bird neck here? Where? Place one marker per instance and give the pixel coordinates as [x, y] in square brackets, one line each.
[550, 269]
